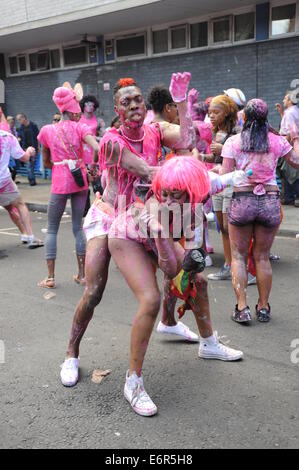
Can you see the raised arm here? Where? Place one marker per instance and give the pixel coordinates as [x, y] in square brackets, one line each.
[182, 136]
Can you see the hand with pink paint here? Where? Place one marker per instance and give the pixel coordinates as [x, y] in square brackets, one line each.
[193, 96]
[30, 152]
[179, 85]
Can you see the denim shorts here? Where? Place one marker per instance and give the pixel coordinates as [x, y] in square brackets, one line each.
[248, 208]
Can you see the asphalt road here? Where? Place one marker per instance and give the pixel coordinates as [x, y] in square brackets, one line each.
[202, 403]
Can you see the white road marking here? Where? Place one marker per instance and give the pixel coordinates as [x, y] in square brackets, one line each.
[9, 233]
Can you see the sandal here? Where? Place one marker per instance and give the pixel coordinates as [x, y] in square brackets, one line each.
[48, 283]
[263, 314]
[80, 281]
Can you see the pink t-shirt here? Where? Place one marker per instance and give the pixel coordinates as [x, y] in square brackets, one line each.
[263, 165]
[57, 138]
[92, 123]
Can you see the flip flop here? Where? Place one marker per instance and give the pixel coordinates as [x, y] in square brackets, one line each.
[48, 283]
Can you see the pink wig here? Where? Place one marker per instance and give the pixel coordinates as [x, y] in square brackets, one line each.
[183, 174]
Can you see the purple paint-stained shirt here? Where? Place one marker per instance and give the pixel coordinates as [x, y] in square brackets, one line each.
[263, 165]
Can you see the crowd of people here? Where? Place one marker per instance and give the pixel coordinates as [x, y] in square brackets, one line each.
[165, 166]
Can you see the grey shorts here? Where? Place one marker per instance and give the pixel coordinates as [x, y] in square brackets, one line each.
[8, 193]
[222, 201]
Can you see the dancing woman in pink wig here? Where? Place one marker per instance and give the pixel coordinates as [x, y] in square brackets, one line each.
[148, 235]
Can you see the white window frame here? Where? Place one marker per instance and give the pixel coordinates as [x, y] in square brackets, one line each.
[231, 27]
[154, 30]
[208, 34]
[7, 66]
[280, 3]
[75, 46]
[172, 28]
[126, 36]
[62, 67]
[244, 41]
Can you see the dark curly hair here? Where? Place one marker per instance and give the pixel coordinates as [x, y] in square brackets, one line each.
[158, 97]
[87, 98]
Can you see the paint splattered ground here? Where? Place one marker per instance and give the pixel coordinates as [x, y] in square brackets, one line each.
[202, 404]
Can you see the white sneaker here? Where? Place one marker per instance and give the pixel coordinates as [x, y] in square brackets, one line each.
[211, 348]
[25, 239]
[179, 329]
[209, 261]
[69, 373]
[137, 397]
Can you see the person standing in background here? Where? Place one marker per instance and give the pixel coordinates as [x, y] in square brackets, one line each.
[89, 104]
[289, 128]
[28, 132]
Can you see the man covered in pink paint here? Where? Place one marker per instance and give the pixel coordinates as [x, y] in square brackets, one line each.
[127, 155]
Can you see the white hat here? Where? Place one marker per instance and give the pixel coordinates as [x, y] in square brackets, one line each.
[237, 95]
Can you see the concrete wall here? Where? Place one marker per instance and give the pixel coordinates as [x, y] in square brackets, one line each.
[262, 69]
[15, 12]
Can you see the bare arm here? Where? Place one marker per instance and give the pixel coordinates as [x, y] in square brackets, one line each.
[130, 162]
[46, 157]
[182, 136]
[292, 158]
[30, 152]
[228, 165]
[90, 140]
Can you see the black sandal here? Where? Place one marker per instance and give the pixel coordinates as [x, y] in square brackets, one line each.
[263, 314]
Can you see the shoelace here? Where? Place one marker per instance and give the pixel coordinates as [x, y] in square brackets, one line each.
[220, 339]
[139, 394]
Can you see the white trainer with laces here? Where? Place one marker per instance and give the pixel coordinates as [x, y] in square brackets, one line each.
[179, 330]
[139, 400]
[212, 348]
[69, 373]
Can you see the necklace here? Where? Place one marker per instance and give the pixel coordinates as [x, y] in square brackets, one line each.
[133, 140]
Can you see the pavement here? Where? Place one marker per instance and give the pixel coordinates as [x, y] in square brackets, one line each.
[201, 403]
[37, 198]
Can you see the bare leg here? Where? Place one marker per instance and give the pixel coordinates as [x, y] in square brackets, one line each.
[202, 307]
[16, 218]
[168, 306]
[142, 280]
[240, 239]
[23, 211]
[80, 278]
[223, 226]
[97, 264]
[263, 240]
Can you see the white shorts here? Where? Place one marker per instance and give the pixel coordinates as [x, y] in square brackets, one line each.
[98, 220]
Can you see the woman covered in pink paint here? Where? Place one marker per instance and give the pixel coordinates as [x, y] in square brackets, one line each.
[255, 207]
[146, 236]
[63, 152]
